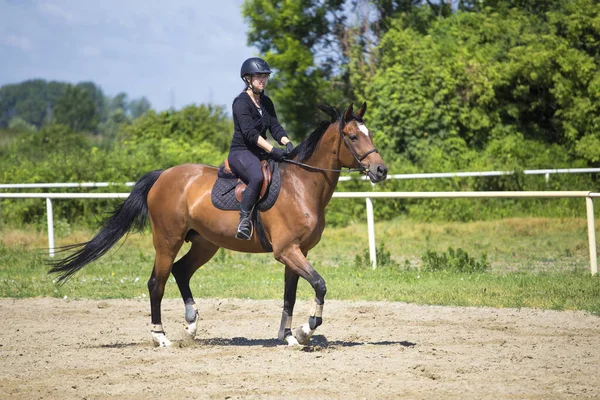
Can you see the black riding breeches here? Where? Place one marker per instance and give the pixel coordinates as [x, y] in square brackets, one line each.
[246, 165]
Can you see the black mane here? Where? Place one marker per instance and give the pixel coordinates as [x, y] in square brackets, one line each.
[305, 149]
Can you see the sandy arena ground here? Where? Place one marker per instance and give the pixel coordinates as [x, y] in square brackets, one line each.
[63, 349]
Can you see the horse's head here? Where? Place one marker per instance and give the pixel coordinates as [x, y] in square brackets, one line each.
[359, 150]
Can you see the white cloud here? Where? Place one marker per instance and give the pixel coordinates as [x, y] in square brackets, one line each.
[18, 41]
[53, 9]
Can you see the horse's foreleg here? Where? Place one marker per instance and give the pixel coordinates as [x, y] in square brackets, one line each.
[305, 331]
[200, 252]
[156, 287]
[289, 300]
[297, 262]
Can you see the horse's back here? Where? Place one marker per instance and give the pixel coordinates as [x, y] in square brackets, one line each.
[185, 173]
[173, 187]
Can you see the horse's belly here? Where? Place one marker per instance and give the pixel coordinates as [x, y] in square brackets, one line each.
[231, 243]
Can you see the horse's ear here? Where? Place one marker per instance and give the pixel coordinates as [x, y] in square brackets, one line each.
[361, 111]
[348, 113]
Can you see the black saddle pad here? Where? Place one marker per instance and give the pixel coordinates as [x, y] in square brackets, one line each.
[223, 191]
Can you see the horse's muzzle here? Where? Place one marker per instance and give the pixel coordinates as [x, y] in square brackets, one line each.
[377, 173]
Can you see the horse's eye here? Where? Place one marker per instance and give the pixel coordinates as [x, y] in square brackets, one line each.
[354, 138]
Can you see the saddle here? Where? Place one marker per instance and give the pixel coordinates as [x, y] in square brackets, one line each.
[227, 191]
[241, 186]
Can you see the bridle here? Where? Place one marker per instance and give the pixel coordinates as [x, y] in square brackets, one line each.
[363, 169]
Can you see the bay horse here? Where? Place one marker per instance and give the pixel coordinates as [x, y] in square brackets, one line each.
[178, 204]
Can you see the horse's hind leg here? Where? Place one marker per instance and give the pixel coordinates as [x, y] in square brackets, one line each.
[165, 255]
[200, 252]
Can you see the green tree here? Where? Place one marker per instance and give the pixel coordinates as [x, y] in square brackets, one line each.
[288, 34]
[486, 76]
[18, 124]
[199, 134]
[315, 45]
[538, 7]
[98, 98]
[139, 107]
[76, 109]
[30, 100]
[111, 126]
[118, 102]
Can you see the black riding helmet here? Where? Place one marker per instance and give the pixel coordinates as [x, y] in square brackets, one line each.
[253, 66]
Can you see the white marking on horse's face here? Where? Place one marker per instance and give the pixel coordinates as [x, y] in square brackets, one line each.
[363, 129]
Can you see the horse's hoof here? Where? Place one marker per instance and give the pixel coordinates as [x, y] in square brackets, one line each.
[191, 329]
[191, 319]
[163, 343]
[161, 340]
[290, 340]
[303, 333]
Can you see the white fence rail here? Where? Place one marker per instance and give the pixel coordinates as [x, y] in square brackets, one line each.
[369, 204]
[545, 172]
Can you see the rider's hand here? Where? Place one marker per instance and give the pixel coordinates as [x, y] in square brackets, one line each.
[278, 154]
[289, 147]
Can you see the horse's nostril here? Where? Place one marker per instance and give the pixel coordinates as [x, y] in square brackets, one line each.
[381, 170]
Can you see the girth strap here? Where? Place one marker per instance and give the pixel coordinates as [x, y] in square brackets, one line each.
[262, 236]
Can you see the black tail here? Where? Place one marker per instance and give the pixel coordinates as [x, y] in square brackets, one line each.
[132, 213]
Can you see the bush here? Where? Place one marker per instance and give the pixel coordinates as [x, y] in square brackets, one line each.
[58, 154]
[384, 259]
[18, 124]
[454, 261]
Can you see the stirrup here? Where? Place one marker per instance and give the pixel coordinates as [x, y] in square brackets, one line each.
[243, 234]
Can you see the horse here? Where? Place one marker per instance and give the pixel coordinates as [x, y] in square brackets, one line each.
[177, 201]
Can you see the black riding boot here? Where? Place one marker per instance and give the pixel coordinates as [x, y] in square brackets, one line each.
[244, 230]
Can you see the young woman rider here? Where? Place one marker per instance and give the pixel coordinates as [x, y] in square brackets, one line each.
[253, 114]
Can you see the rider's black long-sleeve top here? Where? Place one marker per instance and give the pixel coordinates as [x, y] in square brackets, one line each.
[249, 124]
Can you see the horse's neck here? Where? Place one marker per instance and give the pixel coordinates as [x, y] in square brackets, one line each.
[313, 189]
[320, 185]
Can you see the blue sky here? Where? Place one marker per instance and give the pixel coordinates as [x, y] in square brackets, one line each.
[175, 53]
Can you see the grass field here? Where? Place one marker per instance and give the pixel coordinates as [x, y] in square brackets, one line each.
[540, 263]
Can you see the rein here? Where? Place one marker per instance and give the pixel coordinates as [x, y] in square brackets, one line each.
[362, 169]
[323, 169]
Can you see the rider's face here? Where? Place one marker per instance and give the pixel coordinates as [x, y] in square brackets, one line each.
[259, 81]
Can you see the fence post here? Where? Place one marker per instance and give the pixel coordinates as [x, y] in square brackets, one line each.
[589, 205]
[50, 227]
[371, 230]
